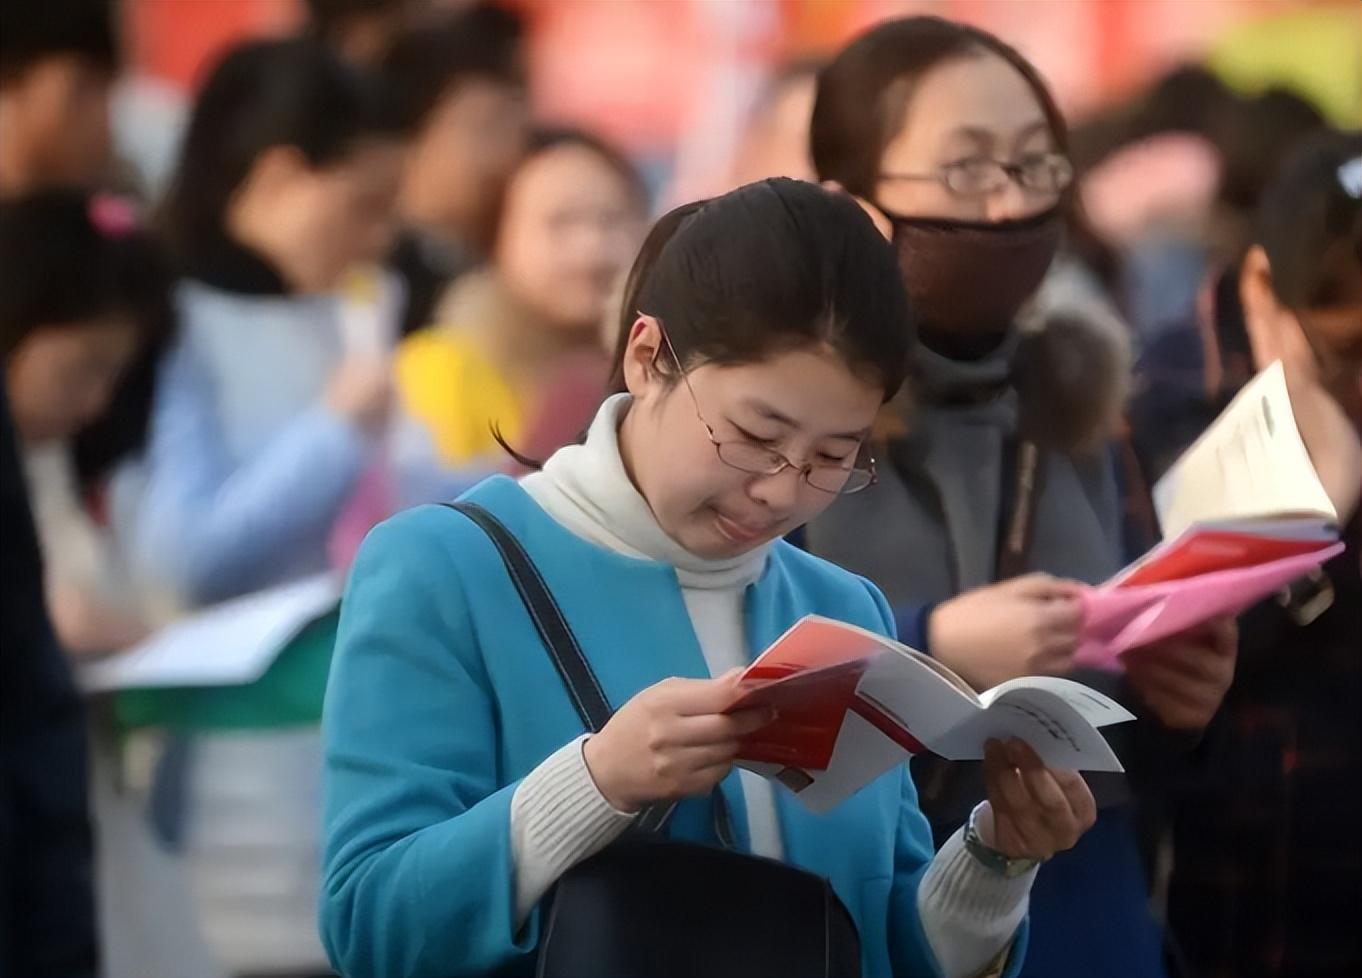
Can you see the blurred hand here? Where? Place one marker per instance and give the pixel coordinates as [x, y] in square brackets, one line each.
[672, 740]
[1023, 627]
[361, 390]
[1183, 679]
[87, 627]
[1036, 812]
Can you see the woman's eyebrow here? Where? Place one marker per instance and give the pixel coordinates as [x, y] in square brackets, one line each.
[1030, 129]
[983, 134]
[773, 414]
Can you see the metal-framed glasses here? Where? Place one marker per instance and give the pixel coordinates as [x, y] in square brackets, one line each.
[979, 176]
[748, 456]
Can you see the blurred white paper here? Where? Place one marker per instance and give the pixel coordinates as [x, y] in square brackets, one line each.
[1249, 466]
[227, 645]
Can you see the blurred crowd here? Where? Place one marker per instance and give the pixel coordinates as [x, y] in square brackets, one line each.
[373, 276]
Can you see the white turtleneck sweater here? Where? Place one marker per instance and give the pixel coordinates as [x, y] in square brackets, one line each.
[559, 817]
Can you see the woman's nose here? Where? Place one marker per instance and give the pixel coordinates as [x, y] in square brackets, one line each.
[1008, 203]
[778, 492]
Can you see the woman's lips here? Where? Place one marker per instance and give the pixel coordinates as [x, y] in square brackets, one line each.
[741, 532]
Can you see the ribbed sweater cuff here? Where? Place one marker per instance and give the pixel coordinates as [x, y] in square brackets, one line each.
[969, 912]
[558, 818]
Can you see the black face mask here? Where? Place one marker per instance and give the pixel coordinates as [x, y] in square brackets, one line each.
[971, 277]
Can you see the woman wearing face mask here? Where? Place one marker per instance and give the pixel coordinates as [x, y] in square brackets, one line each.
[1274, 797]
[994, 498]
[512, 335]
[761, 332]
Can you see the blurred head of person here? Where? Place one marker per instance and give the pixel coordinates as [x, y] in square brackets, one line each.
[1300, 286]
[462, 86]
[1146, 151]
[293, 154]
[572, 217]
[1254, 136]
[82, 288]
[360, 31]
[776, 140]
[955, 143]
[57, 64]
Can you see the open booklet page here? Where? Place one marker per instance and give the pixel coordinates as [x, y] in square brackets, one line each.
[1250, 464]
[851, 704]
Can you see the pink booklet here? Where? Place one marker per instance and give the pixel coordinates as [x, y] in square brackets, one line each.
[1243, 515]
[1122, 615]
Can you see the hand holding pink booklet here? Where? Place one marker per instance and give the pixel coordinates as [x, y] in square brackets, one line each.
[1243, 515]
[1119, 618]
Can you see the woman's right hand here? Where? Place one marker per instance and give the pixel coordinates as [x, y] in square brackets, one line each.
[1027, 626]
[361, 390]
[671, 741]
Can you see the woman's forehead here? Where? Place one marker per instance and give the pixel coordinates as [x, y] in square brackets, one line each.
[981, 96]
[813, 390]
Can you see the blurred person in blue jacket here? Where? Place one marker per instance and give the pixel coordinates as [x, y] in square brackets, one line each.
[269, 411]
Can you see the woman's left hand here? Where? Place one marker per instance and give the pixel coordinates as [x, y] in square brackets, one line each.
[1183, 679]
[1037, 812]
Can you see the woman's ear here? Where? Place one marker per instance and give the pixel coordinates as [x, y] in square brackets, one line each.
[644, 347]
[882, 223]
[275, 170]
[1263, 312]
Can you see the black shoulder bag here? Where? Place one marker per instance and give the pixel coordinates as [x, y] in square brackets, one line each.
[650, 907]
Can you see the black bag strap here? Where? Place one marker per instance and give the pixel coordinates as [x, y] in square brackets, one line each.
[582, 686]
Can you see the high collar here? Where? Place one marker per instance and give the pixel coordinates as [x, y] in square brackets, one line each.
[587, 489]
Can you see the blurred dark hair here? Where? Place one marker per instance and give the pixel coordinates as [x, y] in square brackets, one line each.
[774, 266]
[58, 266]
[862, 94]
[1254, 137]
[34, 30]
[1187, 99]
[1310, 223]
[325, 16]
[1251, 135]
[294, 92]
[480, 42]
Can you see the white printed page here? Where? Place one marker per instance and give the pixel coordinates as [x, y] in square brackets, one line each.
[1054, 730]
[1251, 463]
[912, 694]
[226, 645]
[1094, 707]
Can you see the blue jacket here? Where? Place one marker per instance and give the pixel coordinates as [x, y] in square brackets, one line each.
[442, 699]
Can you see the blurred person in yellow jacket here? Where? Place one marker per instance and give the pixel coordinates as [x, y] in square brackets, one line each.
[515, 345]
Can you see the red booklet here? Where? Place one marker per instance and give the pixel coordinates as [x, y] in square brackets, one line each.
[851, 704]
